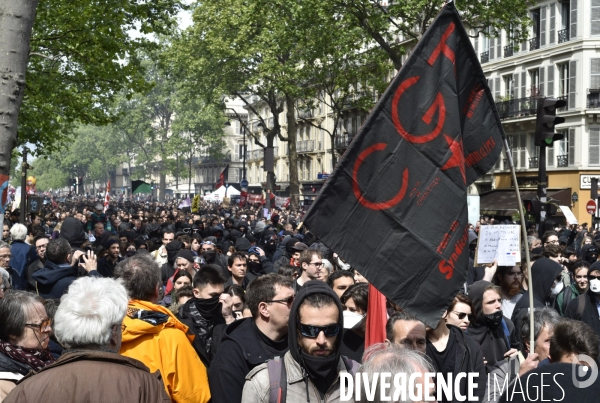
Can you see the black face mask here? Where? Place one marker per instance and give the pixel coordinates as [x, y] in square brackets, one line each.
[255, 267]
[321, 370]
[208, 306]
[130, 253]
[209, 255]
[492, 319]
[271, 247]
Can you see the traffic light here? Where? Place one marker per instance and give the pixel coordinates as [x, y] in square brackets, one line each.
[74, 182]
[546, 120]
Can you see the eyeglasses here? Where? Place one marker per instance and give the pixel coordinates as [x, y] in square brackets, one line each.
[45, 324]
[462, 315]
[288, 301]
[313, 332]
[316, 264]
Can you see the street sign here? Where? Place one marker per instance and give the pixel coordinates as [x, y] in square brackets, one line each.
[244, 183]
[591, 207]
[322, 176]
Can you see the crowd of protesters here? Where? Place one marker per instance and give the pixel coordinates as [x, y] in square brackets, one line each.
[150, 303]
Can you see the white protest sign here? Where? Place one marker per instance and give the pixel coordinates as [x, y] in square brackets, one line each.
[568, 215]
[499, 242]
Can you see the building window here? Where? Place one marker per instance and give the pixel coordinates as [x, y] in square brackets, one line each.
[563, 81]
[518, 146]
[534, 76]
[594, 148]
[508, 86]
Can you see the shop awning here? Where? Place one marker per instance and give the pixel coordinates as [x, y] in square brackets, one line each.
[503, 202]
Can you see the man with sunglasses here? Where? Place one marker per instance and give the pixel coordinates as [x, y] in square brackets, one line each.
[250, 342]
[310, 370]
[586, 307]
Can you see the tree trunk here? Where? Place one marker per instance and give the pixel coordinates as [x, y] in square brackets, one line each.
[16, 23]
[162, 185]
[190, 178]
[293, 155]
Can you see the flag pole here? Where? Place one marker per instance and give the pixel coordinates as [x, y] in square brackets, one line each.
[524, 232]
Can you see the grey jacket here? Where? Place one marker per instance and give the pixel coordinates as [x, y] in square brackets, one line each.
[256, 388]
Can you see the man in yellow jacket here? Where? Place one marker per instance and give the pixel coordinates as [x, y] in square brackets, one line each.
[153, 335]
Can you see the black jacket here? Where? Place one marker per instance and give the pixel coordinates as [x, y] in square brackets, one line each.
[493, 340]
[590, 311]
[468, 358]
[544, 272]
[216, 330]
[53, 280]
[240, 352]
[106, 267]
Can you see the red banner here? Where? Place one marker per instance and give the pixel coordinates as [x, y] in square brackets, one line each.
[255, 199]
[243, 198]
[282, 201]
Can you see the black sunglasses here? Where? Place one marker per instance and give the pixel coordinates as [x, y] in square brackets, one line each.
[288, 301]
[313, 332]
[593, 277]
[462, 315]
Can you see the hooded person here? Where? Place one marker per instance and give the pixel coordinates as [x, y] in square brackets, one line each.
[547, 284]
[210, 254]
[292, 250]
[313, 364]
[268, 243]
[585, 306]
[589, 253]
[72, 230]
[494, 332]
[168, 269]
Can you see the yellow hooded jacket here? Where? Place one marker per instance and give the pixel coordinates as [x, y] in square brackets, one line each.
[166, 347]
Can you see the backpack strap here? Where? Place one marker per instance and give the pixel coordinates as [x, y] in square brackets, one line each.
[277, 372]
[506, 333]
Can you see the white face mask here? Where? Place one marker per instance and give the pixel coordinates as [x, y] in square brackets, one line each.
[352, 319]
[343, 266]
[558, 287]
[595, 286]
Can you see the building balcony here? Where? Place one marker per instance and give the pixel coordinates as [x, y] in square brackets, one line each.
[255, 155]
[519, 107]
[534, 162]
[593, 98]
[485, 57]
[509, 50]
[534, 43]
[563, 35]
[343, 140]
[562, 161]
[305, 146]
[305, 113]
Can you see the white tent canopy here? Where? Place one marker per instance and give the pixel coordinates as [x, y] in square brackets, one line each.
[218, 194]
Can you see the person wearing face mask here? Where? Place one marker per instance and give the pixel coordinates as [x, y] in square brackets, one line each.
[258, 263]
[311, 368]
[355, 301]
[210, 254]
[268, 243]
[168, 268]
[203, 313]
[586, 307]
[576, 288]
[547, 284]
[494, 333]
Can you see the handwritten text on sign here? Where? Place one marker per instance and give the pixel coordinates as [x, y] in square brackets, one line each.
[499, 242]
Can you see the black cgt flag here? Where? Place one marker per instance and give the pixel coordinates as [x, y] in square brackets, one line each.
[395, 207]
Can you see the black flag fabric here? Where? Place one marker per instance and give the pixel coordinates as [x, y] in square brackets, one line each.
[222, 178]
[395, 207]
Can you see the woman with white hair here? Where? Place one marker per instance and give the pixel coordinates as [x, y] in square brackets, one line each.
[19, 250]
[88, 324]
